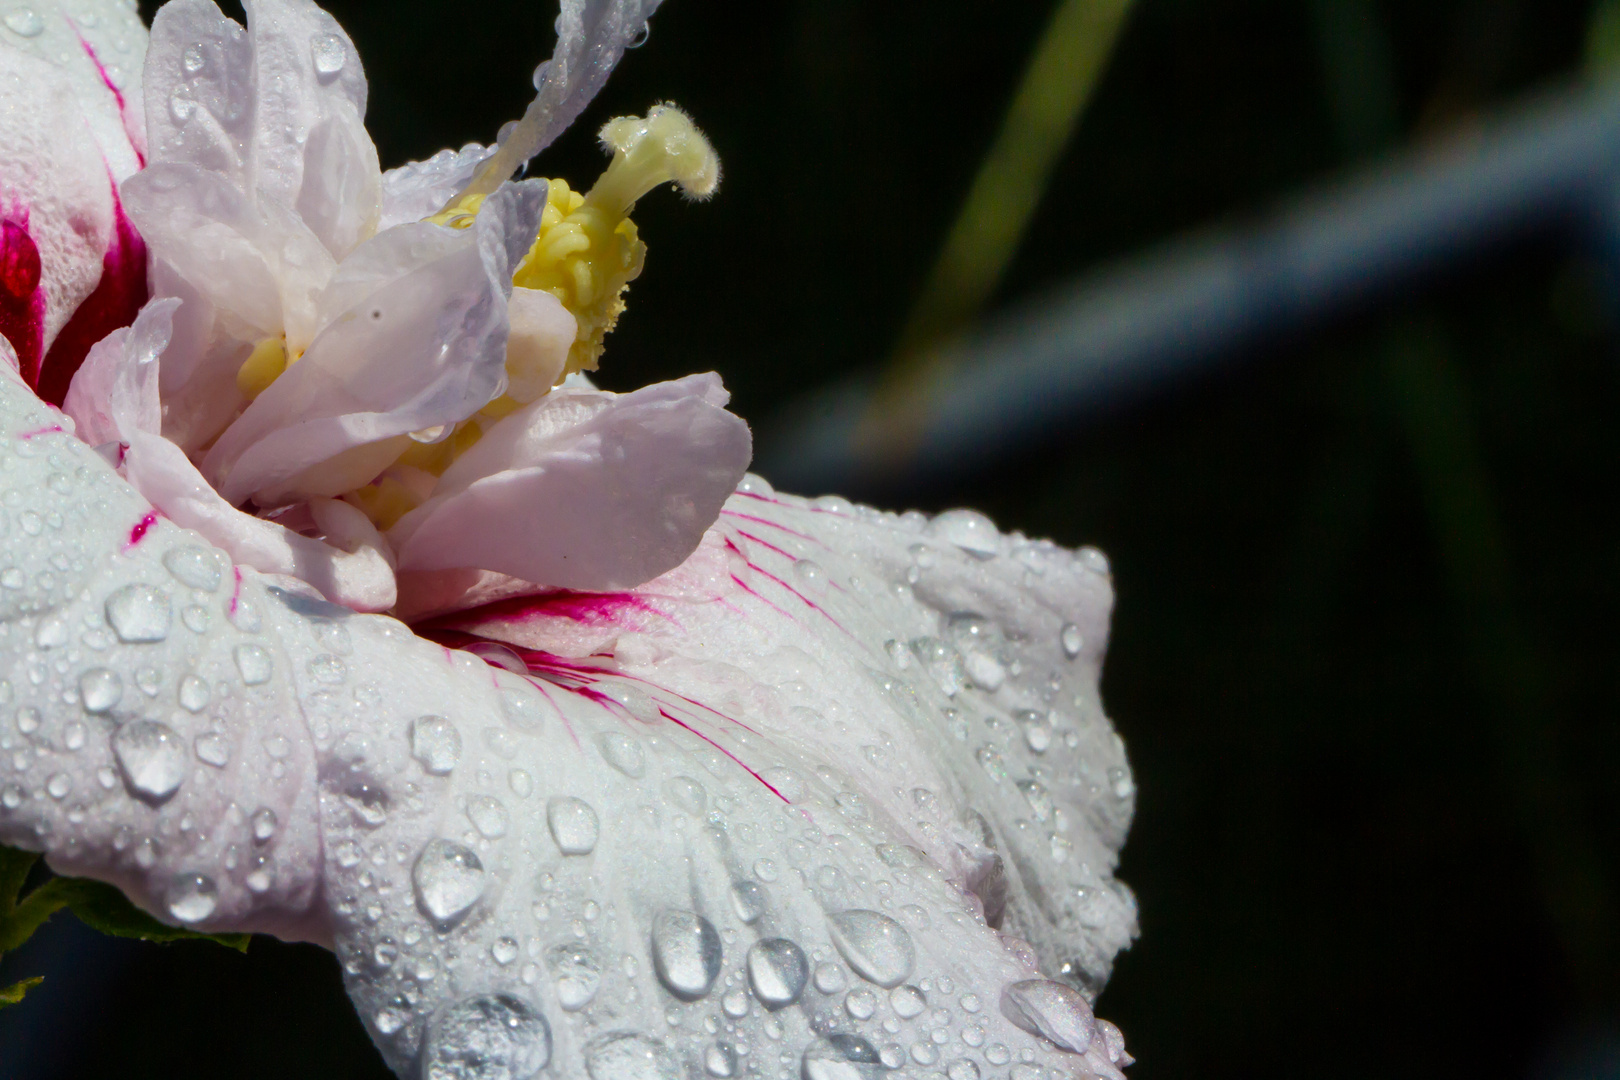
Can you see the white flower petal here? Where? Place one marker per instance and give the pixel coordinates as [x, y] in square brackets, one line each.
[421, 189]
[586, 489]
[71, 131]
[752, 812]
[199, 89]
[427, 347]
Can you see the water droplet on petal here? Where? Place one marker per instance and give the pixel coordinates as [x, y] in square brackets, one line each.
[969, 530]
[486, 1037]
[194, 694]
[1040, 803]
[138, 613]
[99, 690]
[523, 708]
[860, 1003]
[634, 700]
[830, 978]
[686, 793]
[488, 815]
[907, 1001]
[25, 22]
[58, 786]
[435, 744]
[573, 825]
[748, 900]
[777, 972]
[962, 1069]
[720, 1060]
[627, 1056]
[504, 951]
[1056, 1012]
[152, 759]
[194, 567]
[193, 897]
[521, 783]
[877, 947]
[623, 753]
[212, 749]
[329, 55]
[686, 953]
[264, 824]
[576, 974]
[449, 880]
[193, 59]
[253, 663]
[840, 1057]
[1071, 640]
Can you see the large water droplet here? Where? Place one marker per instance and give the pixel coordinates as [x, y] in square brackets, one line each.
[523, 708]
[139, 613]
[329, 55]
[213, 749]
[435, 744]
[264, 825]
[634, 699]
[907, 1001]
[573, 825]
[623, 753]
[686, 953]
[193, 897]
[962, 1069]
[777, 972]
[194, 59]
[841, 1057]
[877, 947]
[152, 759]
[25, 22]
[194, 694]
[969, 530]
[1040, 803]
[488, 815]
[487, 1037]
[624, 1055]
[194, 567]
[720, 1059]
[448, 879]
[829, 978]
[576, 974]
[748, 900]
[1056, 1012]
[1071, 640]
[99, 690]
[253, 663]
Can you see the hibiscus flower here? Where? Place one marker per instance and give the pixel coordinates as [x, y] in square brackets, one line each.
[669, 772]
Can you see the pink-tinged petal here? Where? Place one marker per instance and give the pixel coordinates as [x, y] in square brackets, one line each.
[420, 189]
[585, 489]
[71, 268]
[963, 660]
[579, 850]
[115, 392]
[542, 331]
[199, 89]
[424, 348]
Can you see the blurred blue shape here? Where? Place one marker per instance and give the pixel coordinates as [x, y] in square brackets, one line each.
[1154, 320]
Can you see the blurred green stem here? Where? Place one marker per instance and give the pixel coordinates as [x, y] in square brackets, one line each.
[1432, 405]
[1068, 62]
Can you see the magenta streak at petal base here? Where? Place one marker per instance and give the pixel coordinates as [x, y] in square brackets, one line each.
[22, 305]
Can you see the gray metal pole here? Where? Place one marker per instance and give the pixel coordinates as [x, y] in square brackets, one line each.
[1147, 322]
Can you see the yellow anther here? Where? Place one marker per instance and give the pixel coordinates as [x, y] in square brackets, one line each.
[459, 214]
[384, 502]
[263, 366]
[588, 252]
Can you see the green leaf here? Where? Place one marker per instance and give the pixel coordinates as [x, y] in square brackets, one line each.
[102, 907]
[14, 867]
[11, 995]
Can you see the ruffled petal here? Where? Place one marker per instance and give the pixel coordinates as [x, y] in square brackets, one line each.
[424, 348]
[586, 489]
[683, 856]
[115, 392]
[940, 651]
[71, 131]
[199, 90]
[591, 38]
[421, 189]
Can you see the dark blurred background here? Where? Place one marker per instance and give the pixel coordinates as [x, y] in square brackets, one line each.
[1365, 657]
